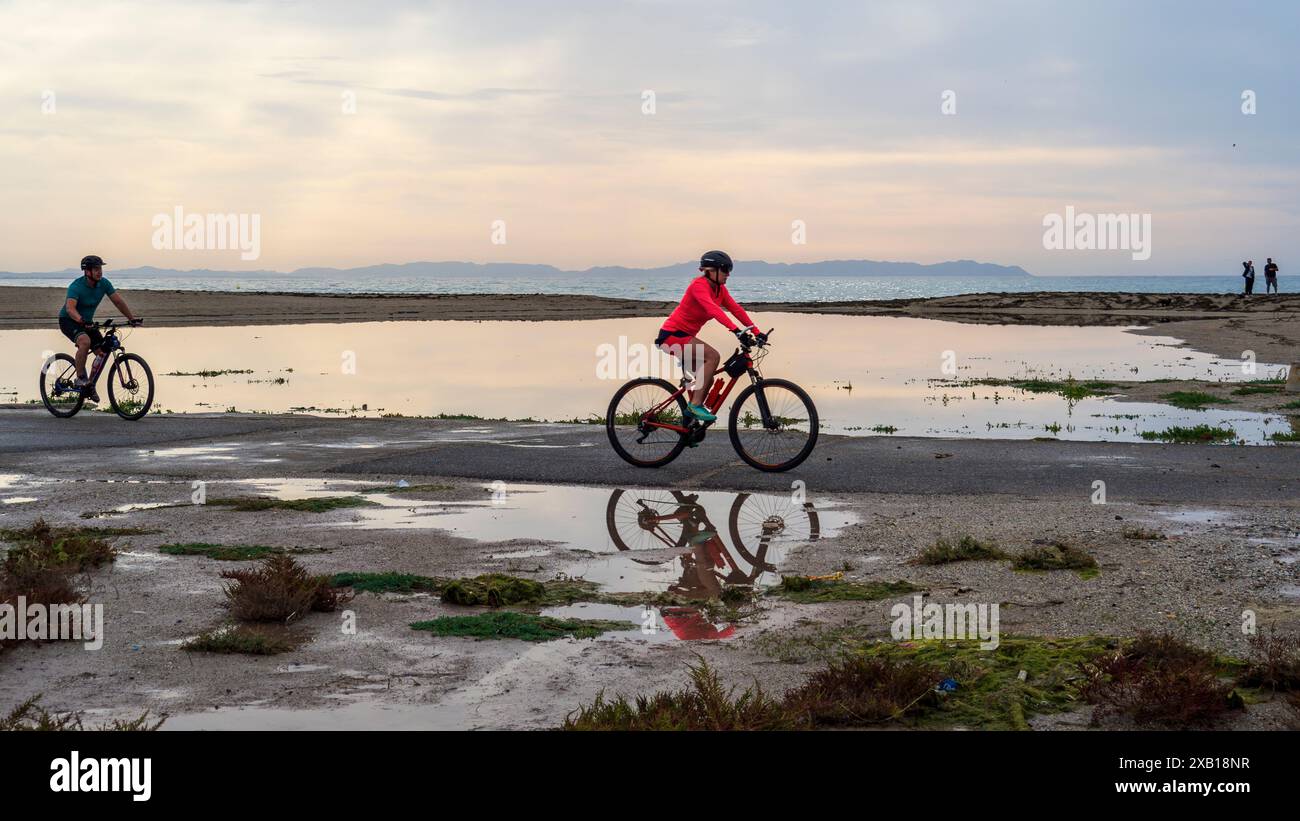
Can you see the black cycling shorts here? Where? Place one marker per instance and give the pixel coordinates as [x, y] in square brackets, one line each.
[665, 335]
[73, 329]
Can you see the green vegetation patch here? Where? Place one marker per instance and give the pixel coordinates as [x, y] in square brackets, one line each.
[967, 549]
[507, 624]
[427, 488]
[1253, 388]
[1056, 556]
[23, 534]
[1071, 388]
[1143, 534]
[243, 639]
[1286, 436]
[387, 582]
[230, 553]
[318, 504]
[1194, 400]
[805, 590]
[492, 589]
[1197, 433]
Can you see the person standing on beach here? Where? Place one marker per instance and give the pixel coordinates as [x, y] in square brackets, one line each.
[1270, 276]
[78, 312]
[1249, 274]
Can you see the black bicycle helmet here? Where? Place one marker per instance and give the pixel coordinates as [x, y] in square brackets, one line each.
[93, 261]
[716, 259]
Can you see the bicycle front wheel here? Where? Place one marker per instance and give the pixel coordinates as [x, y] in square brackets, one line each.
[631, 429]
[773, 425]
[130, 387]
[58, 389]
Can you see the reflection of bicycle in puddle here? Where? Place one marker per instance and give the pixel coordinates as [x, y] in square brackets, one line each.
[761, 527]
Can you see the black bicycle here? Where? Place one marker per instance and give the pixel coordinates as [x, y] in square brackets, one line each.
[130, 382]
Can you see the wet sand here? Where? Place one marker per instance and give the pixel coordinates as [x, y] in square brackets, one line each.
[1222, 324]
[1214, 560]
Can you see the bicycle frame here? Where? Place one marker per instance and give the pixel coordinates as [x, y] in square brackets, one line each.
[649, 419]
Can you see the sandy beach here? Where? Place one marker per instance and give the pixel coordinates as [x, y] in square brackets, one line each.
[1221, 324]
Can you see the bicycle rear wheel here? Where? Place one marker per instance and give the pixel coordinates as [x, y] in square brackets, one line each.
[58, 391]
[625, 423]
[773, 425]
[130, 387]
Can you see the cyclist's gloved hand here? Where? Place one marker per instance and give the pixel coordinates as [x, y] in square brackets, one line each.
[761, 337]
[746, 339]
[135, 323]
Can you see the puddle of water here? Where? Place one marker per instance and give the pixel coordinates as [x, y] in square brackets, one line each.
[18, 500]
[553, 369]
[1196, 517]
[655, 624]
[690, 543]
[522, 554]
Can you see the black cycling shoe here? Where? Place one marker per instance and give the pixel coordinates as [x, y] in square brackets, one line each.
[92, 396]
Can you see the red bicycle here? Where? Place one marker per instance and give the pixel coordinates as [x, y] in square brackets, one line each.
[772, 424]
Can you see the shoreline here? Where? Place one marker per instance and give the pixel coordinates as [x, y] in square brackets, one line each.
[1225, 325]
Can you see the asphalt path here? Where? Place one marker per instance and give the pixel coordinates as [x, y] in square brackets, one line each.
[247, 445]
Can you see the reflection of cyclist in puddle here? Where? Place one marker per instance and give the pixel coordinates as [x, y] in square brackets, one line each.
[639, 521]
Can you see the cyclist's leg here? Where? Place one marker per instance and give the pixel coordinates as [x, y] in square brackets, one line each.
[81, 338]
[706, 359]
[698, 358]
[83, 349]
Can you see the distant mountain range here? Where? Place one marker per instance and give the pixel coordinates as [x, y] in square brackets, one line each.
[844, 268]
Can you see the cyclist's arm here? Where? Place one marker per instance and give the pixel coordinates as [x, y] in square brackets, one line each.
[738, 312]
[71, 306]
[121, 305]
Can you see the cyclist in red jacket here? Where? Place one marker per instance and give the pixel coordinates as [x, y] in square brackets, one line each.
[705, 298]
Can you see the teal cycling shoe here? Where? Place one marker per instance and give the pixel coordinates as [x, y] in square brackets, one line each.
[701, 413]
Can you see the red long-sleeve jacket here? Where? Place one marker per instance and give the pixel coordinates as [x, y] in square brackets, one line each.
[699, 305]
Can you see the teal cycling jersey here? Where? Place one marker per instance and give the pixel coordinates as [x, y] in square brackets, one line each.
[88, 296]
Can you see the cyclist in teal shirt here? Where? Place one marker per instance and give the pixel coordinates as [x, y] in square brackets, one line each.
[78, 311]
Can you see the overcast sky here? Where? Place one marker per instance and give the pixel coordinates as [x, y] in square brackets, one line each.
[765, 113]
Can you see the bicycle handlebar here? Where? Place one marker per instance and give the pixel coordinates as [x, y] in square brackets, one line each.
[108, 323]
[757, 343]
